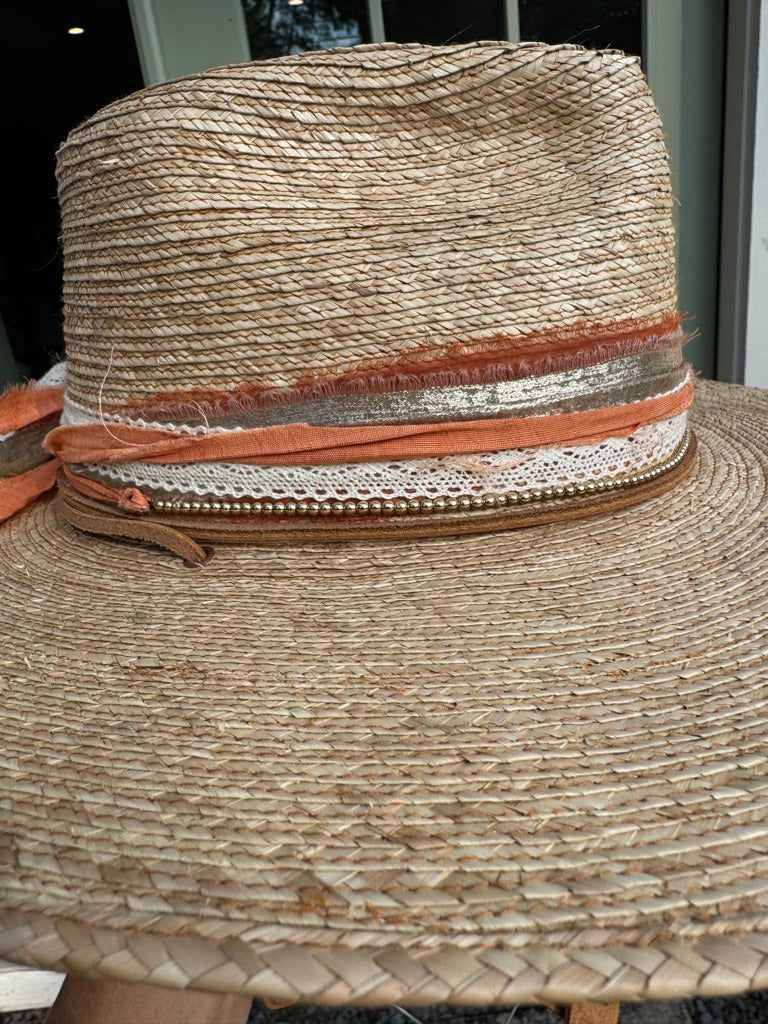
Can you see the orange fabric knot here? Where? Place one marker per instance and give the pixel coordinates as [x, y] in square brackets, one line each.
[132, 500]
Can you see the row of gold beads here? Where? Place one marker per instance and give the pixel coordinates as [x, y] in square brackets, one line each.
[415, 506]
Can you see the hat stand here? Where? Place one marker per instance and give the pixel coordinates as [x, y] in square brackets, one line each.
[588, 1013]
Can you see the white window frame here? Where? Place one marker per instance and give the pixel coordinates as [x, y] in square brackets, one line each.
[378, 34]
[181, 37]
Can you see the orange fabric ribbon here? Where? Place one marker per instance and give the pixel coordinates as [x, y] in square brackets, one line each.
[302, 444]
[130, 499]
[20, 407]
[19, 491]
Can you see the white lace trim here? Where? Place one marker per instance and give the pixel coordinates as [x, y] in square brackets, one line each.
[515, 469]
[56, 377]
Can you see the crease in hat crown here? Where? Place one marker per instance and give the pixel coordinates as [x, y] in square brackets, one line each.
[390, 275]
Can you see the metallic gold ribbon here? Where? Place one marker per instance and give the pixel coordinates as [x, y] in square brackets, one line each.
[618, 382]
[301, 443]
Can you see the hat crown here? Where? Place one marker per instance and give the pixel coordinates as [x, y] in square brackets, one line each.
[295, 219]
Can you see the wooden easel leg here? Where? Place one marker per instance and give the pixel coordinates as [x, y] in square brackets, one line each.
[275, 1004]
[589, 1013]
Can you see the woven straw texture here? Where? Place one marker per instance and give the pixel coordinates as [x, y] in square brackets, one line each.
[300, 218]
[514, 767]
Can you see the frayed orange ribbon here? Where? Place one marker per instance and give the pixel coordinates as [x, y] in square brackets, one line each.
[302, 444]
[19, 491]
[21, 407]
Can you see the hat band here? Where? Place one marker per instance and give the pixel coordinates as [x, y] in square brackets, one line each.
[591, 429]
[347, 521]
[612, 382]
[462, 454]
[302, 443]
[90, 506]
[243, 488]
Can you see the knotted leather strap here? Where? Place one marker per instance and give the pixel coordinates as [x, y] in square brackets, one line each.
[88, 515]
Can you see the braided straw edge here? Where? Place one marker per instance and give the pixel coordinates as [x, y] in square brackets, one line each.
[302, 972]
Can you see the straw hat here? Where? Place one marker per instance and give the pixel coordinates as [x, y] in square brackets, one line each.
[339, 321]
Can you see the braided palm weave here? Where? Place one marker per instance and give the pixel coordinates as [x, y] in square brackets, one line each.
[518, 767]
[271, 222]
[525, 766]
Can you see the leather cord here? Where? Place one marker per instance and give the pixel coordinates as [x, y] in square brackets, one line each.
[185, 535]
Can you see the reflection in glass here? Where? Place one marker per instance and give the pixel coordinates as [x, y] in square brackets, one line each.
[596, 24]
[277, 27]
[443, 21]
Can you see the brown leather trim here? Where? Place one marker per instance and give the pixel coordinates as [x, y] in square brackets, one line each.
[87, 515]
[180, 533]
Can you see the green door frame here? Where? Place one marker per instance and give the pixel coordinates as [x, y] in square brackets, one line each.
[743, 319]
[683, 46]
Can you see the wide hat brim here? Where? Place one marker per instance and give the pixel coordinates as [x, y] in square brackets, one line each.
[513, 767]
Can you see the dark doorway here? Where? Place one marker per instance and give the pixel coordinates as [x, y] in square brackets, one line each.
[54, 80]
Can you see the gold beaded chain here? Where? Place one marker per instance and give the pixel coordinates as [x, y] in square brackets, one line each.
[416, 506]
